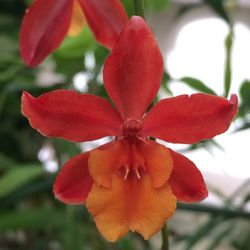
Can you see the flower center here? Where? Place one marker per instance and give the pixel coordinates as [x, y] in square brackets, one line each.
[129, 172]
[131, 129]
[132, 163]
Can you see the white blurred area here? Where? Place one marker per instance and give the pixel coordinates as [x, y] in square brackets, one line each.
[193, 46]
[48, 158]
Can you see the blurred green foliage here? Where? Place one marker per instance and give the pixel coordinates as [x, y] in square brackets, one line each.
[30, 217]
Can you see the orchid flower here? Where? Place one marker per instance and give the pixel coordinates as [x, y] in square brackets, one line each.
[47, 22]
[133, 182]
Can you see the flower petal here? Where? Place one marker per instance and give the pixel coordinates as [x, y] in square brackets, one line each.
[148, 156]
[106, 18]
[73, 183]
[159, 163]
[185, 119]
[116, 211]
[103, 162]
[40, 32]
[78, 20]
[186, 180]
[133, 71]
[72, 116]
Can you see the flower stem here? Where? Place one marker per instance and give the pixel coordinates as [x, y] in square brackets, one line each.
[164, 234]
[228, 73]
[139, 7]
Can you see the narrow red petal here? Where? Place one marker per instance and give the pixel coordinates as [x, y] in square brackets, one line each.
[73, 183]
[106, 18]
[186, 180]
[133, 71]
[72, 116]
[185, 119]
[44, 26]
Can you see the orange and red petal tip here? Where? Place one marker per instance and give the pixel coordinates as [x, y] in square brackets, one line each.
[78, 20]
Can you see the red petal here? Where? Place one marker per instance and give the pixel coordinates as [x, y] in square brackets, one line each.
[106, 18]
[186, 180]
[73, 183]
[44, 26]
[133, 71]
[185, 119]
[72, 116]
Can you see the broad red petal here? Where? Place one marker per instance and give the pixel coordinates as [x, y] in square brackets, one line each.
[186, 180]
[131, 204]
[106, 18]
[133, 71]
[185, 119]
[73, 183]
[72, 116]
[44, 26]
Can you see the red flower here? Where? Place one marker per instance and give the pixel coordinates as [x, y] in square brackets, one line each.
[131, 183]
[47, 22]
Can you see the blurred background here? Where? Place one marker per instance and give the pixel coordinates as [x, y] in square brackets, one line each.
[206, 48]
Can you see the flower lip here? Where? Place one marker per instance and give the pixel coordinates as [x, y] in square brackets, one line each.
[132, 128]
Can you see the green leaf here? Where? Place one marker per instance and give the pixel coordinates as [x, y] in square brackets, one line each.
[165, 83]
[6, 162]
[156, 4]
[8, 46]
[30, 219]
[240, 239]
[76, 46]
[15, 178]
[10, 73]
[61, 145]
[245, 95]
[218, 7]
[221, 236]
[126, 243]
[203, 231]
[228, 71]
[227, 212]
[33, 189]
[206, 144]
[129, 7]
[185, 8]
[197, 85]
